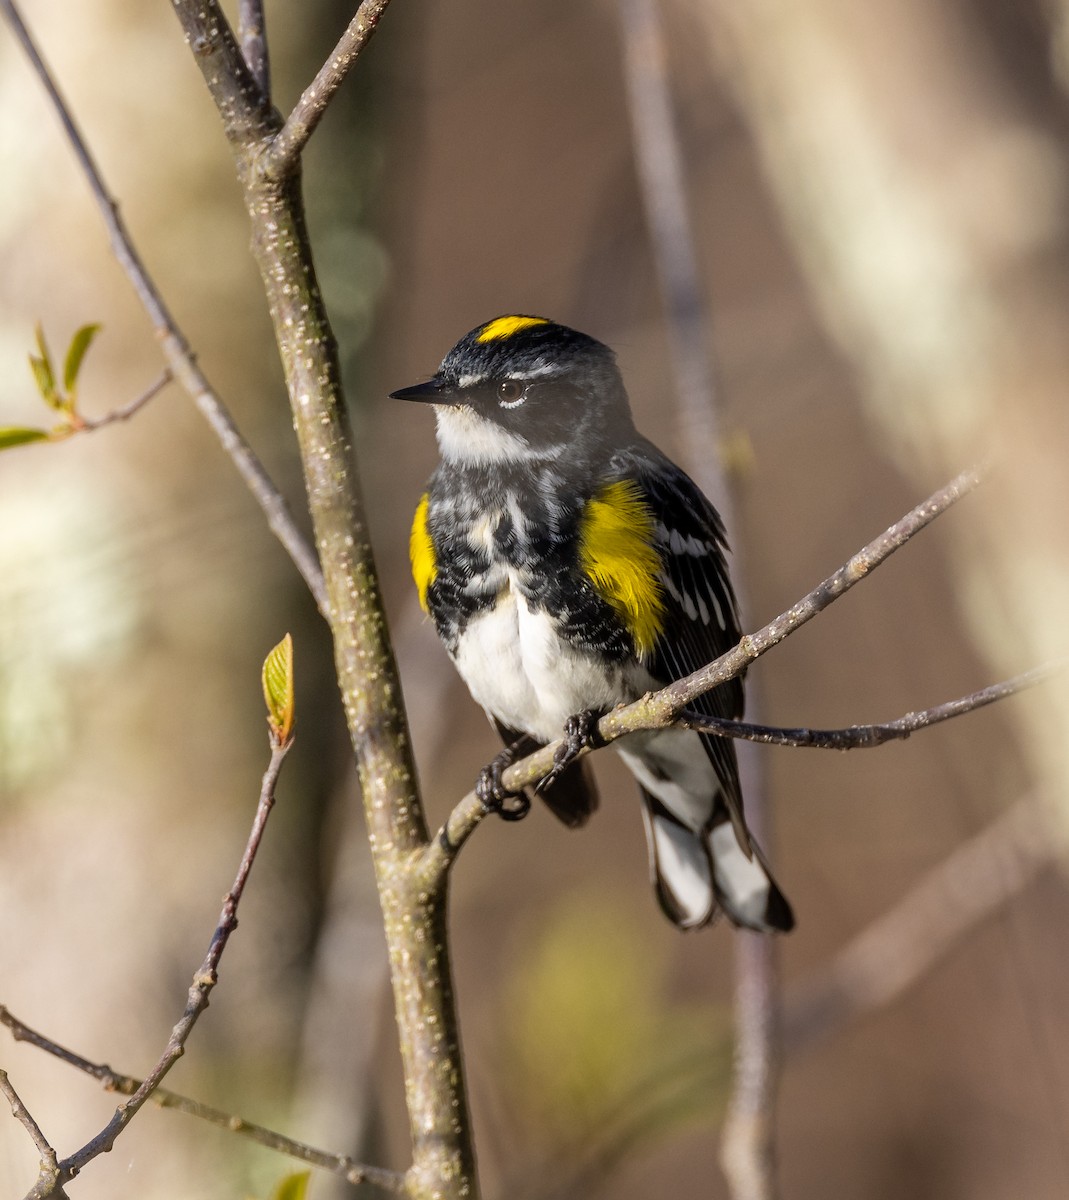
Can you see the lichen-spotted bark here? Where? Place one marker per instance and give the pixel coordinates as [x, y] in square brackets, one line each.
[443, 1164]
[414, 916]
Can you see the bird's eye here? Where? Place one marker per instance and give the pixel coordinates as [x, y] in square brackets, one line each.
[510, 393]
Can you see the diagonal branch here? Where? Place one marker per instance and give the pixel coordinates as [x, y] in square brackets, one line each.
[22, 1114]
[126, 411]
[52, 1180]
[658, 710]
[285, 151]
[865, 737]
[338, 1164]
[903, 944]
[179, 356]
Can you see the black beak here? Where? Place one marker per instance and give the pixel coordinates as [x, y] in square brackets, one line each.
[431, 392]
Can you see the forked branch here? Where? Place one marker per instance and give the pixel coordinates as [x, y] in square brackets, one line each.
[54, 1175]
[414, 919]
[340, 1165]
[865, 737]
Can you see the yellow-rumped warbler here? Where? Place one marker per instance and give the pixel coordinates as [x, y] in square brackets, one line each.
[570, 567]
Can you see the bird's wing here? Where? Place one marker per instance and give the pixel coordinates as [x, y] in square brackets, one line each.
[700, 619]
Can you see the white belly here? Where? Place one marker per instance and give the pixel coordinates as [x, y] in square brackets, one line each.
[522, 673]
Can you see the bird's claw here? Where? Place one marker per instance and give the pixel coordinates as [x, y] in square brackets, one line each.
[492, 793]
[580, 733]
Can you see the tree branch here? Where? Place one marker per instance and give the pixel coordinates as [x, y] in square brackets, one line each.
[252, 33]
[414, 917]
[284, 153]
[205, 978]
[901, 945]
[88, 424]
[337, 1164]
[659, 710]
[865, 737]
[179, 356]
[659, 162]
[49, 1162]
[747, 1139]
[247, 115]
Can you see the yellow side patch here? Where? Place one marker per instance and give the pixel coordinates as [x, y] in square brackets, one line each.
[421, 551]
[504, 327]
[616, 552]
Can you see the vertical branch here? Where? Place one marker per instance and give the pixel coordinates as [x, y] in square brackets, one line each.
[662, 185]
[747, 1140]
[747, 1152]
[415, 921]
[414, 916]
[252, 33]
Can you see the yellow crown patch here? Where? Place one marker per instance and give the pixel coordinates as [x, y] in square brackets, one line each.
[504, 327]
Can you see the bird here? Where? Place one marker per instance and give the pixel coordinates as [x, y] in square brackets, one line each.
[569, 566]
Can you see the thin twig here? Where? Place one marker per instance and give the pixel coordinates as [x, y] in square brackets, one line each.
[658, 710]
[252, 33]
[285, 151]
[22, 1032]
[204, 980]
[176, 350]
[338, 1164]
[904, 943]
[88, 424]
[865, 737]
[659, 162]
[747, 1139]
[22, 1114]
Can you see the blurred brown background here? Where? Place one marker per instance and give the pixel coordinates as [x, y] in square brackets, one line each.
[878, 194]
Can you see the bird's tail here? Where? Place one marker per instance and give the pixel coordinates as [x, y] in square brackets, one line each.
[695, 873]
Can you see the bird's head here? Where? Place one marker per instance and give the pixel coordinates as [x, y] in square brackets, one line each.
[524, 389]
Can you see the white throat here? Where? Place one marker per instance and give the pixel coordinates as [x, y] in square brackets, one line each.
[467, 439]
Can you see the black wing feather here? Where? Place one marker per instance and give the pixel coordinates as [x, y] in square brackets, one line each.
[697, 596]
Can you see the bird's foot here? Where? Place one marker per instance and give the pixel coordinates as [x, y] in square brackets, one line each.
[492, 793]
[580, 733]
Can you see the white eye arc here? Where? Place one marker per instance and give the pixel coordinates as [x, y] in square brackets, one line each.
[511, 393]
